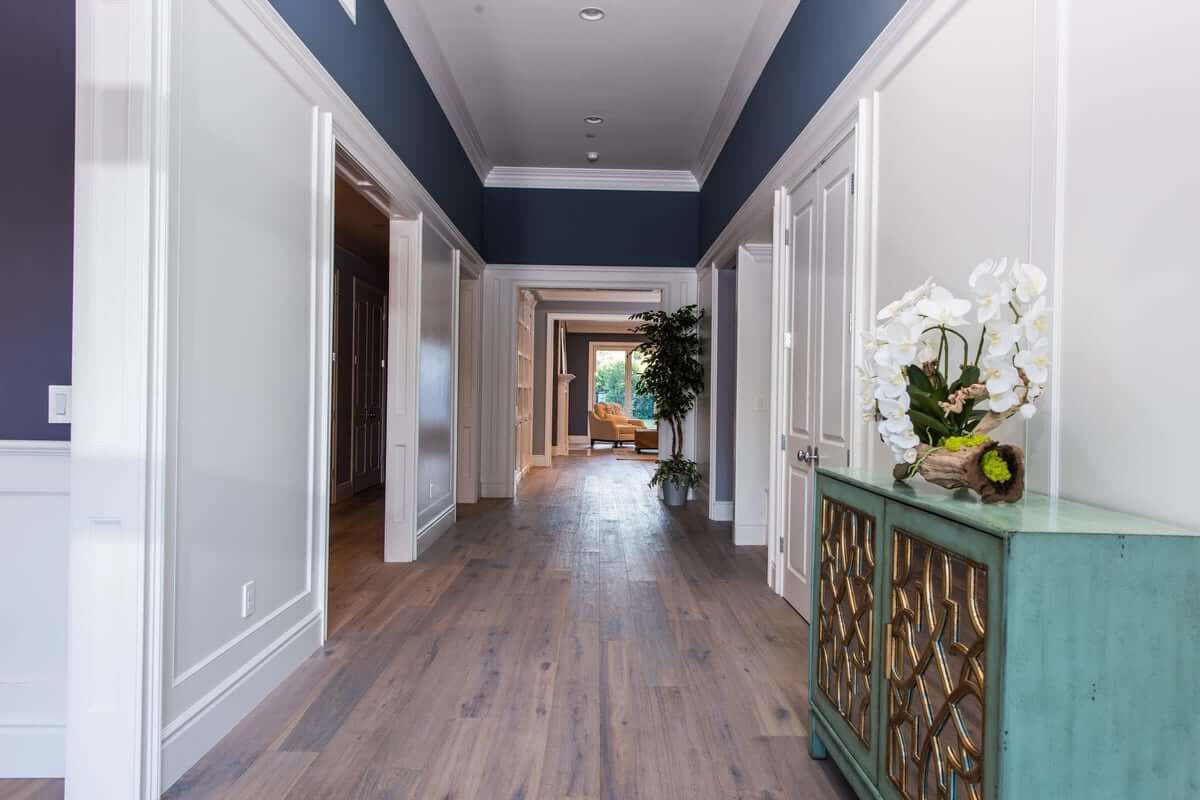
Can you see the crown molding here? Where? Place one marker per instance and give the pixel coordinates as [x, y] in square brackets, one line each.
[417, 32]
[772, 21]
[637, 180]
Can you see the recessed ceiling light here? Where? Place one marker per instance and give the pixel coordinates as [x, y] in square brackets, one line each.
[594, 120]
[591, 14]
[593, 156]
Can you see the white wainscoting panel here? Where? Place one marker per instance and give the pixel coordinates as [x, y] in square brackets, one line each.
[247, 425]
[34, 490]
[438, 365]
[752, 415]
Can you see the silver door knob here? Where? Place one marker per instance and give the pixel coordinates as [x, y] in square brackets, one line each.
[809, 455]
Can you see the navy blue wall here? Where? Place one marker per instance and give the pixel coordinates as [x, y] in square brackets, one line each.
[823, 41]
[37, 62]
[591, 227]
[372, 63]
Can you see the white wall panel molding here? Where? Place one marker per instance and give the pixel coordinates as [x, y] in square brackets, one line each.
[752, 443]
[403, 398]
[436, 528]
[903, 35]
[268, 30]
[192, 734]
[34, 509]
[501, 284]
[1026, 80]
[636, 180]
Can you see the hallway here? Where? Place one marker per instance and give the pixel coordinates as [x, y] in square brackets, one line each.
[581, 642]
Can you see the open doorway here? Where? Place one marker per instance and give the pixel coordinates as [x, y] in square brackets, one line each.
[576, 370]
[359, 395]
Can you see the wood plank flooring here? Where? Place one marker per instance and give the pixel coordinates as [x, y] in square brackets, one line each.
[583, 641]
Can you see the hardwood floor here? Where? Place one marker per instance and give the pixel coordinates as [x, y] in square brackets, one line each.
[583, 641]
[31, 790]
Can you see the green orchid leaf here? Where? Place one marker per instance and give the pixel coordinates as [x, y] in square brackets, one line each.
[918, 378]
[968, 377]
[926, 421]
[925, 403]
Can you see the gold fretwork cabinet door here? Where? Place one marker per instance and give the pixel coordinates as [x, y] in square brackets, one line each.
[844, 641]
[942, 629]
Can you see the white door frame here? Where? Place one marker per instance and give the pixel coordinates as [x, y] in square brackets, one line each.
[467, 448]
[718, 510]
[858, 125]
[119, 454]
[501, 286]
[743, 533]
[547, 458]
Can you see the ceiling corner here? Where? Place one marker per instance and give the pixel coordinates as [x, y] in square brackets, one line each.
[630, 180]
[772, 21]
[418, 34]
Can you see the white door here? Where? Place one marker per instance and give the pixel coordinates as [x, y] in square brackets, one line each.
[816, 409]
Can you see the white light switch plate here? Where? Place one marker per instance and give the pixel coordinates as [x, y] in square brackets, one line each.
[247, 599]
[59, 405]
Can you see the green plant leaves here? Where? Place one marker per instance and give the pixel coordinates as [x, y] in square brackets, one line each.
[968, 377]
[673, 373]
[918, 378]
[929, 423]
[677, 469]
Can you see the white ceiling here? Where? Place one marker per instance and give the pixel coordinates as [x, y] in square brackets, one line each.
[596, 326]
[517, 78]
[649, 296]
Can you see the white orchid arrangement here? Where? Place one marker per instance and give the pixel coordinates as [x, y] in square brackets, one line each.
[906, 378]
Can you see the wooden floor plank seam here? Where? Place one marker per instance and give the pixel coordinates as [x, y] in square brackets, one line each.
[581, 641]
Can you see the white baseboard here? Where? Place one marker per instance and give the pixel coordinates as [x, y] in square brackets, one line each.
[435, 529]
[197, 730]
[491, 489]
[32, 751]
[343, 491]
[749, 535]
[520, 474]
[541, 460]
[720, 510]
[578, 442]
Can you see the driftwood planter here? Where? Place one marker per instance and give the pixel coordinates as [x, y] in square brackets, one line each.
[962, 469]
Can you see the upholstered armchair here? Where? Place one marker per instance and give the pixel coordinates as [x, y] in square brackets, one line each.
[607, 423]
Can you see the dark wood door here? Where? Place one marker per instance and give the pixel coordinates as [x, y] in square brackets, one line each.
[370, 384]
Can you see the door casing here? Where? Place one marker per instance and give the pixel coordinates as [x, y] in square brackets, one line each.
[835, 450]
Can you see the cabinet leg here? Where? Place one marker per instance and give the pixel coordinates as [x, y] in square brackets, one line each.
[816, 748]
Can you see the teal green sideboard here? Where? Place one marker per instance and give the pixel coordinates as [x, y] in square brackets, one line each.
[1044, 649]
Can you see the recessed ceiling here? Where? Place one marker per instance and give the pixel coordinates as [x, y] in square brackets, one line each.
[518, 78]
[648, 296]
[359, 226]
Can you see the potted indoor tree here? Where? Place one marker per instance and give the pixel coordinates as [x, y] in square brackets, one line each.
[674, 377]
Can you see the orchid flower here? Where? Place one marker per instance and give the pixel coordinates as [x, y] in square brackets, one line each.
[1001, 379]
[992, 296]
[943, 308]
[1036, 322]
[1001, 338]
[1029, 282]
[1035, 362]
